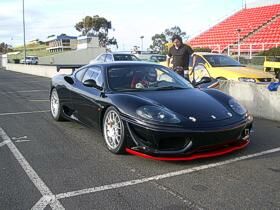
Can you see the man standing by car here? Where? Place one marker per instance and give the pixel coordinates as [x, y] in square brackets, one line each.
[180, 54]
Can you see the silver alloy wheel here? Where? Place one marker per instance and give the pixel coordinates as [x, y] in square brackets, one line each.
[112, 130]
[54, 103]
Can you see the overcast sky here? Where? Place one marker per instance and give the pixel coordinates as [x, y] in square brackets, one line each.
[130, 18]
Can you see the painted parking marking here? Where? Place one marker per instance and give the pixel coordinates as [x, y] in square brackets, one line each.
[20, 139]
[26, 91]
[33, 176]
[34, 81]
[39, 100]
[49, 198]
[162, 176]
[3, 143]
[20, 113]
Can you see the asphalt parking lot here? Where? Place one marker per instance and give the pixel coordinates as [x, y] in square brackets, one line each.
[63, 165]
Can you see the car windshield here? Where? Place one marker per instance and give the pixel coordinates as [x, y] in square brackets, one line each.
[158, 58]
[31, 57]
[125, 57]
[144, 77]
[221, 61]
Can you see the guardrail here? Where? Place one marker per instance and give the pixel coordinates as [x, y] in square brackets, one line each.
[259, 101]
[42, 70]
[255, 97]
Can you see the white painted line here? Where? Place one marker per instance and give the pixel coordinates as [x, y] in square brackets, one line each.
[19, 113]
[40, 100]
[26, 91]
[33, 176]
[3, 143]
[18, 138]
[46, 200]
[163, 176]
[19, 141]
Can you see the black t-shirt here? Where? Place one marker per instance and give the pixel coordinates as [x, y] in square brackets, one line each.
[180, 56]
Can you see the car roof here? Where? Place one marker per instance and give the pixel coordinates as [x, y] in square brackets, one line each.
[119, 53]
[208, 53]
[121, 63]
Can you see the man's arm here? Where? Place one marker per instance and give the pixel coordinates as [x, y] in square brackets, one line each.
[168, 60]
[168, 57]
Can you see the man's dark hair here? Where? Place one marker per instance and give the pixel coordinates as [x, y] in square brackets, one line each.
[177, 37]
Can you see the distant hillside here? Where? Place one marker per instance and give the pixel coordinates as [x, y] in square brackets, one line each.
[36, 49]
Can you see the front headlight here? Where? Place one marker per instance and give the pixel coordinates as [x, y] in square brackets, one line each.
[244, 79]
[157, 114]
[237, 107]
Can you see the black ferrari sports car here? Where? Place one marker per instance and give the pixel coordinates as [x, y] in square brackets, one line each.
[148, 110]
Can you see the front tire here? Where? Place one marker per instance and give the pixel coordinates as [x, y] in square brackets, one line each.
[56, 110]
[113, 131]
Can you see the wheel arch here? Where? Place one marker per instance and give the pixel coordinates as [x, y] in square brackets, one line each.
[221, 78]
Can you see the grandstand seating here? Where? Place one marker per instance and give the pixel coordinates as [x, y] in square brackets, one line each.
[257, 26]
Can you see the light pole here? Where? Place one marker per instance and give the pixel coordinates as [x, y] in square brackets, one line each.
[23, 22]
[238, 43]
[141, 37]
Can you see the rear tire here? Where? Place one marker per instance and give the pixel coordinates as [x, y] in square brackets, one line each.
[56, 109]
[113, 131]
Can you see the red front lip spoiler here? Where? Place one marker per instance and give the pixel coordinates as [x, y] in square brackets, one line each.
[213, 153]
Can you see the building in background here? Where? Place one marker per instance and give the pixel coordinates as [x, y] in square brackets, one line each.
[61, 43]
[85, 42]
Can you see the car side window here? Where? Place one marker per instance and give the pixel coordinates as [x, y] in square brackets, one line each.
[199, 72]
[94, 73]
[79, 75]
[199, 60]
[87, 75]
[109, 58]
[97, 76]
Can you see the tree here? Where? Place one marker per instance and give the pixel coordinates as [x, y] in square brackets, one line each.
[5, 48]
[159, 40]
[275, 51]
[96, 26]
[175, 31]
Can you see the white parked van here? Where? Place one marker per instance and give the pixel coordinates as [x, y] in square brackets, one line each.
[30, 60]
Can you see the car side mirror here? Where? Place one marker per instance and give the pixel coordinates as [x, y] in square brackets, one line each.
[69, 79]
[92, 83]
[203, 80]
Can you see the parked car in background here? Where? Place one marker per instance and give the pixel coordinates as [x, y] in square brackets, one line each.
[197, 75]
[272, 64]
[114, 56]
[224, 67]
[152, 57]
[29, 60]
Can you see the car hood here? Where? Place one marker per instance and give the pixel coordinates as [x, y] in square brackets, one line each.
[246, 72]
[188, 103]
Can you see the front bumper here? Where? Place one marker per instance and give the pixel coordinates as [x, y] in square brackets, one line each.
[186, 145]
[214, 153]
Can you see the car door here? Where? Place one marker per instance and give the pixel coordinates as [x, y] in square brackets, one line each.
[86, 100]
